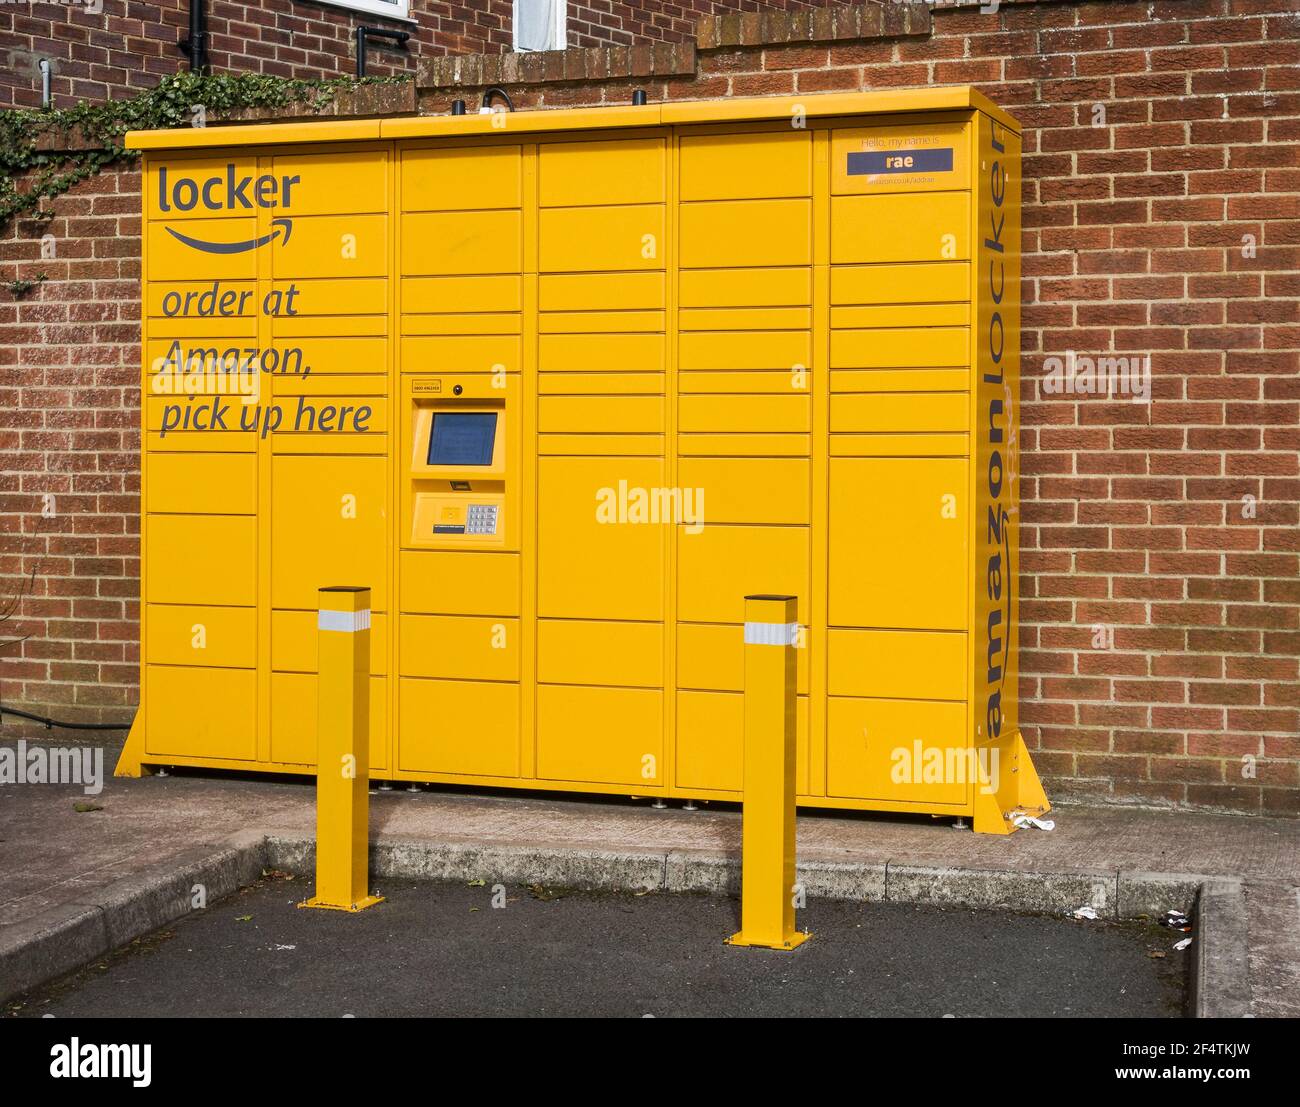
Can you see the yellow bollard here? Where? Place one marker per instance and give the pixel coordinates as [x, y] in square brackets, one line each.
[767, 887]
[343, 752]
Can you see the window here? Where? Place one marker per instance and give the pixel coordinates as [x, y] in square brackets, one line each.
[392, 9]
[539, 25]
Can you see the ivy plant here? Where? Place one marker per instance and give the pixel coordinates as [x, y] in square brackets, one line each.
[30, 175]
[19, 288]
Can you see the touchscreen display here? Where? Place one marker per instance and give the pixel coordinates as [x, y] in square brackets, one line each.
[462, 437]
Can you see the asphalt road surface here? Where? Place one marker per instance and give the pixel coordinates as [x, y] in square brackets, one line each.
[444, 949]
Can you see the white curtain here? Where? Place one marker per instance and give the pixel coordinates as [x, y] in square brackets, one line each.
[539, 24]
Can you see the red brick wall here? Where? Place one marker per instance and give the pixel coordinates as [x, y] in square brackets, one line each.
[629, 22]
[130, 45]
[1134, 529]
[70, 479]
[1134, 513]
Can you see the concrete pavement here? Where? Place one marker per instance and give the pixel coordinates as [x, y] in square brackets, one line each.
[54, 855]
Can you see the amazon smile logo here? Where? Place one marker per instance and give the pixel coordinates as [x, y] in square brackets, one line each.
[280, 224]
[228, 191]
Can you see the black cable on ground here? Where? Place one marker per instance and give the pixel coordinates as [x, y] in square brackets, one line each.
[49, 723]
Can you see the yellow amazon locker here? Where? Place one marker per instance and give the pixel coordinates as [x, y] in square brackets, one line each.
[560, 388]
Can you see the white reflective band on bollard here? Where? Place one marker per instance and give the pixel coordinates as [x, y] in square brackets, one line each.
[349, 621]
[771, 634]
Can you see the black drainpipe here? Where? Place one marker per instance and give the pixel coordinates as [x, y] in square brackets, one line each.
[196, 46]
[363, 33]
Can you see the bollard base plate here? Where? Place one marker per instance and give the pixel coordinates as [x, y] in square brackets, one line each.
[794, 941]
[351, 908]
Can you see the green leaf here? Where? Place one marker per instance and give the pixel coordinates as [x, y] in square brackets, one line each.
[29, 176]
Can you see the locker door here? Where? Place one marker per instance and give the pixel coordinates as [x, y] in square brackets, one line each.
[903, 750]
[597, 558]
[202, 559]
[898, 544]
[202, 712]
[329, 526]
[293, 719]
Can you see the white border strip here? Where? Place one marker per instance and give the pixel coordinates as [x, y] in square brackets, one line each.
[348, 621]
[771, 634]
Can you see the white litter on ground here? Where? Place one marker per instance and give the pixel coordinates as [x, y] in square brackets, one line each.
[1020, 820]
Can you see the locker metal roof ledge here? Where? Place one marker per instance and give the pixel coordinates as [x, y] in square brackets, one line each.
[954, 98]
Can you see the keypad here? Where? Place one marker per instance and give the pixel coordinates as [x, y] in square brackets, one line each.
[481, 519]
